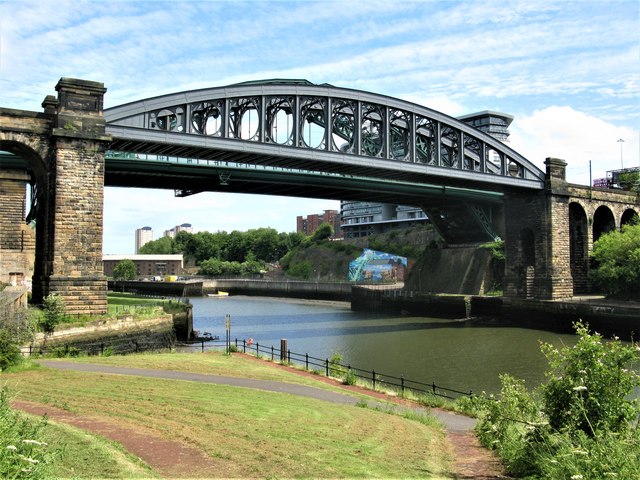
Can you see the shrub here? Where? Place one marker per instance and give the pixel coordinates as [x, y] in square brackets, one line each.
[53, 312]
[617, 259]
[582, 423]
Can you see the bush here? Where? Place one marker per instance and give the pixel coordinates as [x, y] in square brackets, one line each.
[617, 260]
[53, 312]
[582, 423]
[16, 330]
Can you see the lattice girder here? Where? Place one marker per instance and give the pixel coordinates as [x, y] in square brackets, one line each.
[340, 127]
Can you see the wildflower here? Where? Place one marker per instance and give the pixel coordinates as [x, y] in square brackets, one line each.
[30, 460]
[34, 442]
[576, 477]
[580, 388]
[13, 448]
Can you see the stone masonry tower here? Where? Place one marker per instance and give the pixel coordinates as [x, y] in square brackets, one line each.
[70, 245]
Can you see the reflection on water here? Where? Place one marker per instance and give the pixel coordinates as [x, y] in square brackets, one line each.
[456, 354]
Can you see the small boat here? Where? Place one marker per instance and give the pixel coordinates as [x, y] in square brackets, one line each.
[219, 294]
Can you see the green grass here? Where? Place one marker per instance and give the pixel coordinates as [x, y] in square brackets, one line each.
[85, 455]
[248, 433]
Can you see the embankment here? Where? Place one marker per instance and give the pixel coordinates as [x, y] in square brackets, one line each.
[603, 316]
[121, 335]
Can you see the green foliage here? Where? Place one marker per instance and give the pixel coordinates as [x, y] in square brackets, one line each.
[302, 270]
[161, 246]
[335, 367]
[16, 330]
[496, 248]
[53, 307]
[22, 455]
[125, 270]
[581, 423]
[324, 231]
[617, 258]
[587, 385]
[630, 181]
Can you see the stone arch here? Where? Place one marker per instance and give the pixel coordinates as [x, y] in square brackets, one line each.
[628, 216]
[603, 222]
[31, 256]
[579, 247]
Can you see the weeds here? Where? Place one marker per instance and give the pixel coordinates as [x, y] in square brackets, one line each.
[581, 424]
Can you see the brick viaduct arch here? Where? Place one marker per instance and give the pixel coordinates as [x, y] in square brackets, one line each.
[550, 235]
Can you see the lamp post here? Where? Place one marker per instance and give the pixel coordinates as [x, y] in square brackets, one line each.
[621, 141]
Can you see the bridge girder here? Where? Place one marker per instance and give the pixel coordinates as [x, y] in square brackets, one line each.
[284, 124]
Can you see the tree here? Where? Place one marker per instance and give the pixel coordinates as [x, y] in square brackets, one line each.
[125, 270]
[161, 246]
[53, 312]
[324, 231]
[617, 259]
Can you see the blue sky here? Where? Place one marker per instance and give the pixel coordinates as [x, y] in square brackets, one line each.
[569, 72]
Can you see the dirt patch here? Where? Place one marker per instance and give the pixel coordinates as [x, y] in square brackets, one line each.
[168, 458]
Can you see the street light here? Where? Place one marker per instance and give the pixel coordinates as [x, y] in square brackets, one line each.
[621, 141]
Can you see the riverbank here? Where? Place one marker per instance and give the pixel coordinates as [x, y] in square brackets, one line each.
[605, 316]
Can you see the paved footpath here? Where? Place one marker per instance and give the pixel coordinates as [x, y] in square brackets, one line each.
[452, 422]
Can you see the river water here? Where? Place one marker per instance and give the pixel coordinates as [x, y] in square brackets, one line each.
[455, 354]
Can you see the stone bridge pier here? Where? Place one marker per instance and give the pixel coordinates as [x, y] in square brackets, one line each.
[63, 149]
[549, 235]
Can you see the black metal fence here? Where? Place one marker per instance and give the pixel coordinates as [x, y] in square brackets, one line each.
[331, 368]
[321, 366]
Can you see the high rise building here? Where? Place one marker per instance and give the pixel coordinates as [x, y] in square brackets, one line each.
[143, 235]
[361, 219]
[172, 232]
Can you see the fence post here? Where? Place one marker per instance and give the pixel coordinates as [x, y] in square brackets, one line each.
[102, 349]
[272, 353]
[373, 379]
[283, 349]
[257, 349]
[202, 348]
[306, 361]
[288, 356]
[326, 366]
[244, 346]
[402, 384]
[433, 387]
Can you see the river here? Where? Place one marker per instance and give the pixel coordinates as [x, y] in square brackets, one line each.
[455, 354]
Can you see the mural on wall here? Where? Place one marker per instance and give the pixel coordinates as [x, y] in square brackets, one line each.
[374, 266]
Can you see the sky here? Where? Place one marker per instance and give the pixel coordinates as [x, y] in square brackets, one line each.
[568, 72]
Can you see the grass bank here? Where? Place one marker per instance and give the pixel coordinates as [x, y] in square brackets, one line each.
[248, 433]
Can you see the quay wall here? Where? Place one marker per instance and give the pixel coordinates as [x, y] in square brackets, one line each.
[122, 335]
[609, 318]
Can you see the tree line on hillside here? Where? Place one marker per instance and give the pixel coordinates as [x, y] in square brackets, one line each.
[234, 253]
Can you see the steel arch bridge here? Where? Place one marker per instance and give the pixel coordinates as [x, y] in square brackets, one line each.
[291, 137]
[319, 128]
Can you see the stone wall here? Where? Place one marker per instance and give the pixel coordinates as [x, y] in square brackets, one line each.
[544, 217]
[17, 240]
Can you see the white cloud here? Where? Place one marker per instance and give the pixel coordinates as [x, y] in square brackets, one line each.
[577, 138]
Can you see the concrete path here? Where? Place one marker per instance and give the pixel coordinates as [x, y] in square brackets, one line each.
[451, 421]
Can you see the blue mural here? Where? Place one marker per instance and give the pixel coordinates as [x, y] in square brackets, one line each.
[374, 266]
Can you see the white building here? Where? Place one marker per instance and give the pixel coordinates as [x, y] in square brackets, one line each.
[143, 235]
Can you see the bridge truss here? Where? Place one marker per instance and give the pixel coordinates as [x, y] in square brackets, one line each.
[319, 128]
